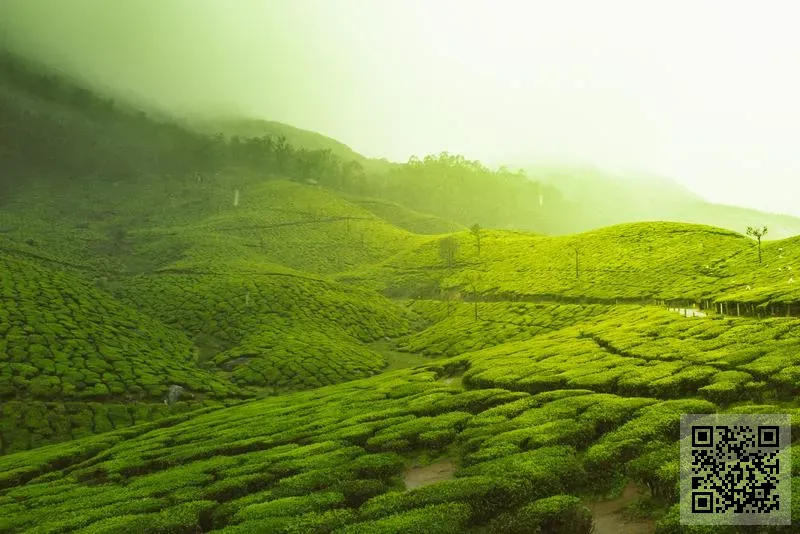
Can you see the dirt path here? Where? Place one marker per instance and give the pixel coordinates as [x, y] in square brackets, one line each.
[416, 477]
[454, 381]
[608, 517]
[396, 359]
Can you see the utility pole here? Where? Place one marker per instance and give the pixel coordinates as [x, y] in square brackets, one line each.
[577, 269]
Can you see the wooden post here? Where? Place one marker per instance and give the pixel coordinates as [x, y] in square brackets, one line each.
[737, 309]
[577, 273]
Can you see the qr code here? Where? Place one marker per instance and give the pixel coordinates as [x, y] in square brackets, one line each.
[736, 469]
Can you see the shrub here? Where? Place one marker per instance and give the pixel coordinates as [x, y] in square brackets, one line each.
[450, 518]
[485, 495]
[291, 506]
[378, 465]
[546, 471]
[564, 514]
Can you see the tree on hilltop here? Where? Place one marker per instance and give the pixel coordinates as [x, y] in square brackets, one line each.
[448, 247]
[757, 233]
[476, 232]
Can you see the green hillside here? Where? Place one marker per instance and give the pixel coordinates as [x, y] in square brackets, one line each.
[273, 330]
[350, 363]
[526, 425]
[413, 221]
[641, 261]
[75, 360]
[246, 127]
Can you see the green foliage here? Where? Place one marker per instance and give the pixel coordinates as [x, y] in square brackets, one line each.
[66, 340]
[559, 513]
[402, 217]
[448, 518]
[485, 495]
[291, 506]
[189, 261]
[457, 189]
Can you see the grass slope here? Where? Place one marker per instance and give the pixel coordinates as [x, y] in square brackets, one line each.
[302, 227]
[64, 339]
[331, 459]
[405, 218]
[272, 329]
[73, 360]
[632, 261]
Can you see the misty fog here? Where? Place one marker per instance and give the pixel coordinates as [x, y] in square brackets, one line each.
[702, 92]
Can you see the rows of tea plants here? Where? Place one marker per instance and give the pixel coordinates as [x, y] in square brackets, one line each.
[60, 338]
[333, 459]
[641, 262]
[455, 329]
[29, 424]
[653, 352]
[408, 219]
[277, 330]
[629, 261]
[305, 228]
[285, 354]
[753, 358]
[33, 226]
[233, 306]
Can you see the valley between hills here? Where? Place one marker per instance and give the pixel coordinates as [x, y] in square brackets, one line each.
[348, 361]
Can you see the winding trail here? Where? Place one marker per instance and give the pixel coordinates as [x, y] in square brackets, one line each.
[416, 477]
[608, 517]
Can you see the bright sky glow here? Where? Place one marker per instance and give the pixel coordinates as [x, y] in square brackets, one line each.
[704, 91]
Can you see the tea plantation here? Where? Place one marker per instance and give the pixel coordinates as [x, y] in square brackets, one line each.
[226, 334]
[548, 371]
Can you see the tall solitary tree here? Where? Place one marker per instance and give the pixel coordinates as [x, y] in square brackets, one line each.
[448, 247]
[476, 230]
[757, 233]
[473, 280]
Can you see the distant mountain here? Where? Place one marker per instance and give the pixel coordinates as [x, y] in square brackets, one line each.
[57, 127]
[600, 199]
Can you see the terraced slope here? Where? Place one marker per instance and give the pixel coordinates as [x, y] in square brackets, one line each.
[642, 263]
[532, 434]
[625, 262]
[74, 360]
[175, 284]
[64, 339]
[653, 352]
[275, 329]
[234, 217]
[301, 227]
[455, 330]
[402, 217]
[770, 283]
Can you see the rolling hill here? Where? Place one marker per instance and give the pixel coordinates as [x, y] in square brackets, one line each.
[350, 364]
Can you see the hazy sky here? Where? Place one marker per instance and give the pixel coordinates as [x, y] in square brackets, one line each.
[707, 92]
